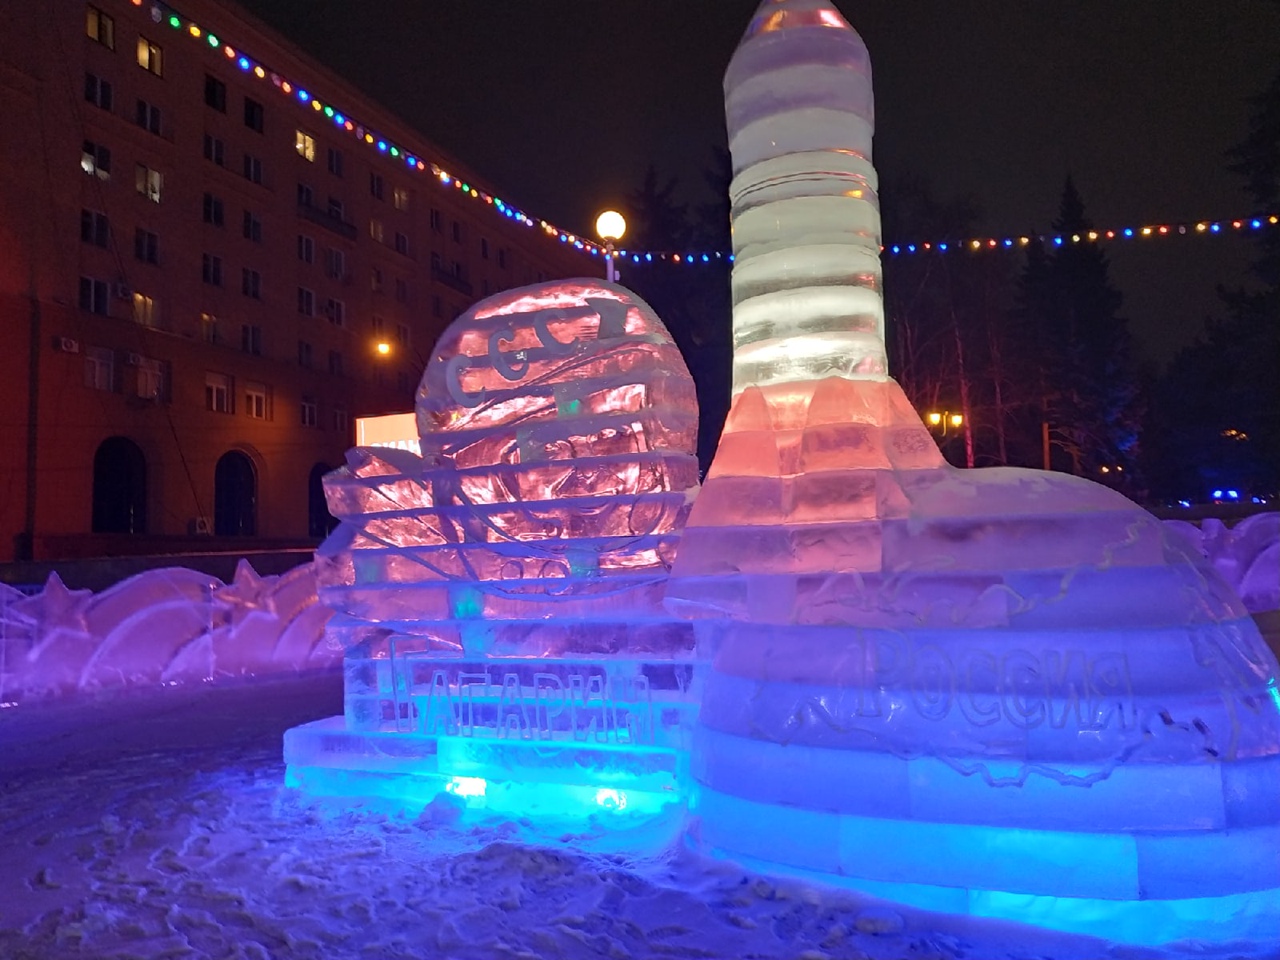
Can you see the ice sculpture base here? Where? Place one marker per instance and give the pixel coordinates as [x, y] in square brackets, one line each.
[1245, 920]
[554, 782]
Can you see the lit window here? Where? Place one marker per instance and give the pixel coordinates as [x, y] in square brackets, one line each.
[208, 328]
[305, 144]
[375, 229]
[217, 392]
[255, 400]
[149, 182]
[151, 379]
[100, 27]
[400, 197]
[145, 311]
[149, 56]
[96, 159]
[99, 368]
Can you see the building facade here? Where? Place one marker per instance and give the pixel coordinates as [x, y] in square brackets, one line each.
[204, 238]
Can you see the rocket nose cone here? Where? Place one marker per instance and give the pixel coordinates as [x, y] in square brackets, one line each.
[775, 15]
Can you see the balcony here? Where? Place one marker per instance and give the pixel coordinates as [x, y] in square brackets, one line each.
[324, 218]
[450, 279]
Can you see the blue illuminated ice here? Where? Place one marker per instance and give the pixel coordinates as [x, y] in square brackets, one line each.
[1001, 692]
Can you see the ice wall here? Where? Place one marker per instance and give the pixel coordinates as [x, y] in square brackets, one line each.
[1002, 692]
[501, 595]
[163, 627]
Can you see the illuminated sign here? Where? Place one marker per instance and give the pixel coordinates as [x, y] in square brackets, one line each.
[398, 430]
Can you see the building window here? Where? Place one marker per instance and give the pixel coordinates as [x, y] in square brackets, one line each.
[251, 338]
[306, 248]
[378, 325]
[436, 262]
[255, 400]
[402, 290]
[304, 195]
[375, 185]
[217, 392]
[335, 263]
[458, 270]
[335, 161]
[502, 257]
[213, 210]
[149, 57]
[402, 334]
[215, 151]
[146, 246]
[375, 280]
[95, 159]
[305, 354]
[402, 243]
[148, 117]
[335, 363]
[253, 114]
[211, 269]
[145, 311]
[306, 302]
[215, 93]
[100, 27]
[336, 311]
[437, 309]
[149, 182]
[308, 410]
[252, 227]
[400, 197]
[100, 368]
[484, 285]
[335, 208]
[208, 328]
[305, 144]
[457, 232]
[251, 283]
[341, 419]
[484, 249]
[94, 228]
[252, 168]
[435, 220]
[97, 91]
[151, 379]
[375, 229]
[93, 295]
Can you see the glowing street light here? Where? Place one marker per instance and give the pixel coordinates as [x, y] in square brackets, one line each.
[944, 419]
[610, 226]
[383, 348]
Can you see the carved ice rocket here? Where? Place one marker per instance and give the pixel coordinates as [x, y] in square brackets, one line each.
[806, 223]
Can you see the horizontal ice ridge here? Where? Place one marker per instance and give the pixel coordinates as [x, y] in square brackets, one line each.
[821, 314]
[823, 173]
[805, 85]
[806, 221]
[804, 266]
[785, 360]
[800, 130]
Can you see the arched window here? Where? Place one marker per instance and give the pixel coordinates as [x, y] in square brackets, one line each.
[235, 496]
[319, 521]
[119, 487]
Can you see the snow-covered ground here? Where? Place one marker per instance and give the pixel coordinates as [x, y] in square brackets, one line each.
[159, 826]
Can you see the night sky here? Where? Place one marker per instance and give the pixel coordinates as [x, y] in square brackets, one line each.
[562, 104]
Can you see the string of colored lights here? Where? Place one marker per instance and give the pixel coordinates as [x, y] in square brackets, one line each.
[164, 13]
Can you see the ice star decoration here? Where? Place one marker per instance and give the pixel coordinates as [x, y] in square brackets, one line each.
[55, 610]
[247, 593]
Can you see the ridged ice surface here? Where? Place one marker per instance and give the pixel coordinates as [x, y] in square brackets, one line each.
[1003, 692]
[500, 597]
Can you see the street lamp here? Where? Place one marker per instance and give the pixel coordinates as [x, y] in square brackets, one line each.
[610, 226]
[944, 419]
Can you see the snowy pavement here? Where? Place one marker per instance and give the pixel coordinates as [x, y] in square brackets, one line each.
[160, 827]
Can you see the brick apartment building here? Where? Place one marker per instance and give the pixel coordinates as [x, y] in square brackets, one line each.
[196, 266]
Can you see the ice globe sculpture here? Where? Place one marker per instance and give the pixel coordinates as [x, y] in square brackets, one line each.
[1000, 692]
[500, 596]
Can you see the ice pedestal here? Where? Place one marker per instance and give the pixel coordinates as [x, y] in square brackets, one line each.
[1001, 692]
[500, 597]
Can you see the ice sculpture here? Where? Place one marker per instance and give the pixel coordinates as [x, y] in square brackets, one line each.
[168, 626]
[1000, 692]
[501, 595]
